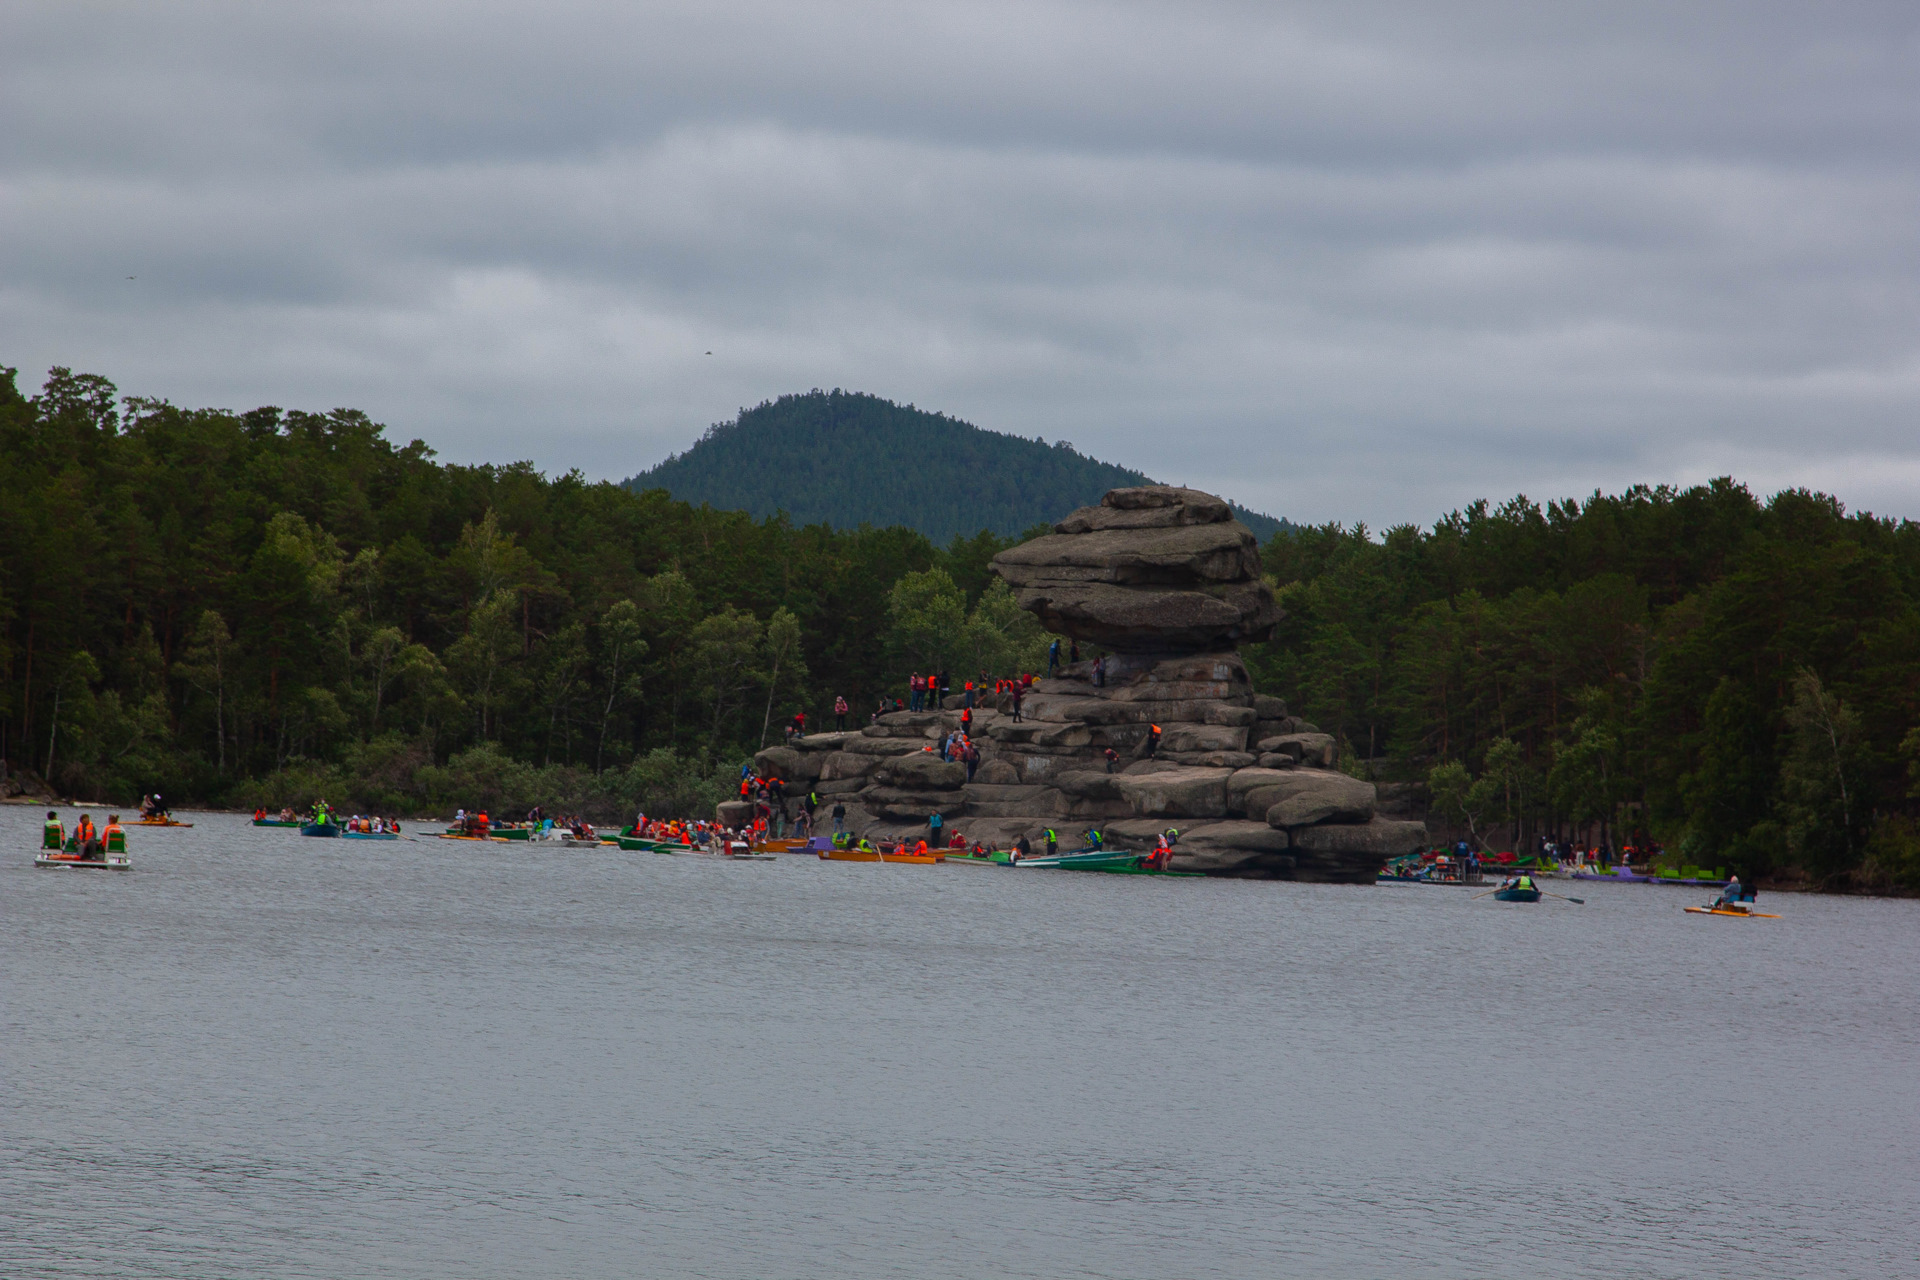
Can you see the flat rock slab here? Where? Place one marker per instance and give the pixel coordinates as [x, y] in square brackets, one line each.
[1177, 793]
[922, 771]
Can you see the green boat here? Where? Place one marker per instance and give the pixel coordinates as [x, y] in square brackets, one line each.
[276, 822]
[1089, 860]
[634, 844]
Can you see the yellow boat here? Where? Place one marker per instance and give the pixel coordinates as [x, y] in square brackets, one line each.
[157, 822]
[867, 855]
[1727, 911]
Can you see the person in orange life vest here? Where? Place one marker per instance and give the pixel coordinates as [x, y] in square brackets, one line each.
[1153, 740]
[259, 814]
[968, 691]
[966, 719]
[920, 849]
[84, 836]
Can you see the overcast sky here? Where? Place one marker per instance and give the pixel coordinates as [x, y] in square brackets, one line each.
[1351, 261]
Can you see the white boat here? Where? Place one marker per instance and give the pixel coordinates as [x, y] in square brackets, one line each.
[114, 862]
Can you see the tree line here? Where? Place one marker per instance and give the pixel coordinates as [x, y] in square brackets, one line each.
[259, 607]
[267, 606]
[1737, 680]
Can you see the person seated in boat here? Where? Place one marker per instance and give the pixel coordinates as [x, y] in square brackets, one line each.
[1523, 882]
[260, 814]
[86, 840]
[53, 835]
[1730, 895]
[111, 833]
[1022, 850]
[920, 850]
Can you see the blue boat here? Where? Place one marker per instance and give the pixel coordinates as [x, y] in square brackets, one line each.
[1516, 894]
[320, 829]
[364, 835]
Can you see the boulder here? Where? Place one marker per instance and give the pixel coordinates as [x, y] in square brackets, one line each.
[733, 813]
[828, 741]
[1178, 555]
[1275, 760]
[1137, 618]
[1308, 796]
[840, 786]
[1163, 506]
[1232, 848]
[1248, 780]
[1238, 717]
[1018, 801]
[996, 772]
[900, 804]
[1203, 737]
[1177, 793]
[787, 764]
[1317, 749]
[864, 746]
[1353, 853]
[1211, 759]
[1269, 708]
[1088, 784]
[846, 765]
[923, 771]
[1153, 570]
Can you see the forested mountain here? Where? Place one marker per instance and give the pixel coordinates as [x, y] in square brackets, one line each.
[278, 605]
[846, 459]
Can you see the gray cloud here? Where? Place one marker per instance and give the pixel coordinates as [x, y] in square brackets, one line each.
[1357, 261]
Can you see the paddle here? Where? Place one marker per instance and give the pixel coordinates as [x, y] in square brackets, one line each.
[1482, 895]
[1578, 902]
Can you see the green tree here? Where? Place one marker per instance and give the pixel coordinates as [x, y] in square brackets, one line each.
[929, 615]
[621, 649]
[783, 655]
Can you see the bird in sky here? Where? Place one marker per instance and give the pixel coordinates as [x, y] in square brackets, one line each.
[709, 353]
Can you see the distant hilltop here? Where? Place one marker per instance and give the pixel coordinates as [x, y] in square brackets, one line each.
[846, 459]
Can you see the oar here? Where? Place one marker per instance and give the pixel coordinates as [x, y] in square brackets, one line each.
[1482, 895]
[1578, 902]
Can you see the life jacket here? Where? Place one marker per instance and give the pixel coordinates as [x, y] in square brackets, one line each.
[920, 849]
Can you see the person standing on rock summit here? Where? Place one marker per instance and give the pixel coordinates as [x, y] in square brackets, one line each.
[840, 710]
[1053, 658]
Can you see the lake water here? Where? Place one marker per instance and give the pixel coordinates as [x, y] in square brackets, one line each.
[262, 1055]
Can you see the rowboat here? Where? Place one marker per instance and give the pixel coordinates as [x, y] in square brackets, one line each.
[865, 855]
[319, 828]
[1090, 860]
[1148, 871]
[1516, 895]
[112, 862]
[1619, 875]
[369, 835]
[1729, 909]
[276, 822]
[157, 822]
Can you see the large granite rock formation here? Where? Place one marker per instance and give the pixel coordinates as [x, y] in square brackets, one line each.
[1152, 570]
[1170, 583]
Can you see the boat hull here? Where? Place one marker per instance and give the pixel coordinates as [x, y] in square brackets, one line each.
[369, 835]
[325, 829]
[113, 862]
[861, 855]
[1516, 895]
[157, 822]
[275, 822]
[1728, 911]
